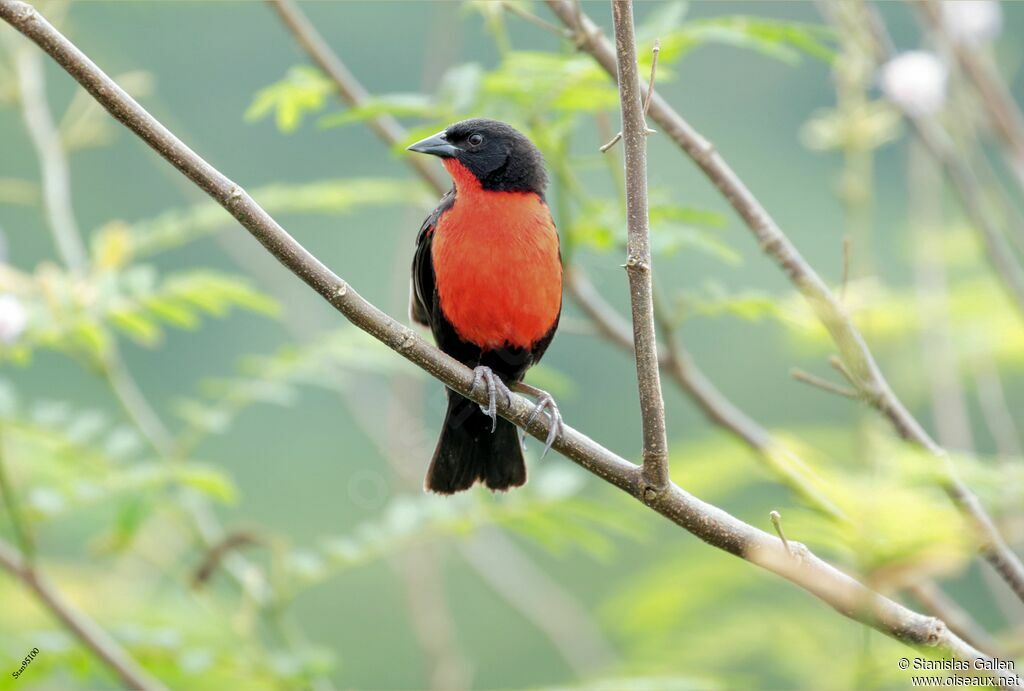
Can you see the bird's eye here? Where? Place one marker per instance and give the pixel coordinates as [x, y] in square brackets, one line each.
[476, 139]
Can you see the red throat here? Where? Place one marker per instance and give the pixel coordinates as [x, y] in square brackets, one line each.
[496, 264]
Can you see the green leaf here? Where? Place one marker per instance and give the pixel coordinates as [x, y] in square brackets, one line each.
[212, 482]
[397, 105]
[540, 82]
[178, 227]
[781, 40]
[303, 91]
[665, 18]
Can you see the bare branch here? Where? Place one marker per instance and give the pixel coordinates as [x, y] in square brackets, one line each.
[709, 523]
[996, 99]
[518, 11]
[98, 641]
[638, 250]
[349, 89]
[46, 140]
[937, 142]
[996, 410]
[939, 603]
[855, 354]
[719, 410]
[60, 214]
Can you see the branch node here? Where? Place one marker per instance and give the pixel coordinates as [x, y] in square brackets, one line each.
[838, 365]
[342, 290]
[407, 340]
[26, 13]
[233, 195]
[703, 152]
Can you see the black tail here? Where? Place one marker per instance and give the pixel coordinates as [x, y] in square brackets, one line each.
[468, 451]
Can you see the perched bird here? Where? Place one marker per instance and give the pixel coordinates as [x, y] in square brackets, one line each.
[487, 280]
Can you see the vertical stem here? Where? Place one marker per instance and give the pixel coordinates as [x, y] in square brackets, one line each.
[18, 525]
[949, 407]
[638, 259]
[52, 163]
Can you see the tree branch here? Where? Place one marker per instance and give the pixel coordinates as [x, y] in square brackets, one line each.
[57, 202]
[711, 524]
[720, 411]
[349, 89]
[638, 250]
[84, 629]
[968, 188]
[1003, 114]
[856, 355]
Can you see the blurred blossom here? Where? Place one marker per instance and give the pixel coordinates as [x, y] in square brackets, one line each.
[13, 319]
[972, 22]
[916, 82]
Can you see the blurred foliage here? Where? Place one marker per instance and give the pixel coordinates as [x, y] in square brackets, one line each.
[116, 520]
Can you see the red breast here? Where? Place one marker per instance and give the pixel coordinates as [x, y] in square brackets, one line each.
[496, 264]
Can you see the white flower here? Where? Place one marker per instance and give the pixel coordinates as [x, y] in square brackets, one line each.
[972, 22]
[13, 319]
[916, 82]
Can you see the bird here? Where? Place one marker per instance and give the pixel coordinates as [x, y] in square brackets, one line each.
[487, 281]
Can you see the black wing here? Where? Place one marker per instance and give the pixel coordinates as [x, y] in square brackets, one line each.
[421, 292]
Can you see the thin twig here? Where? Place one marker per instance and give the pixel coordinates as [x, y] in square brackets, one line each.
[941, 361]
[216, 553]
[647, 101]
[98, 641]
[638, 251]
[824, 384]
[829, 310]
[996, 410]
[1001, 255]
[847, 252]
[53, 165]
[776, 519]
[1003, 113]
[713, 525]
[535, 20]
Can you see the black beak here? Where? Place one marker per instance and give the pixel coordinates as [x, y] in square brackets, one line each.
[436, 145]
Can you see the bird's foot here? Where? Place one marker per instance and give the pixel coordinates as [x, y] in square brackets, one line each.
[494, 384]
[545, 403]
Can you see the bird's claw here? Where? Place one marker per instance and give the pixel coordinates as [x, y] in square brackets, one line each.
[493, 384]
[546, 403]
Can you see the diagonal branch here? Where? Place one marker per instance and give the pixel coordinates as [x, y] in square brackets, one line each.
[348, 87]
[60, 213]
[965, 182]
[85, 629]
[854, 351]
[711, 524]
[638, 250]
[1003, 113]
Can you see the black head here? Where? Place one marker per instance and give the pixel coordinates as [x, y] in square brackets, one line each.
[498, 155]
